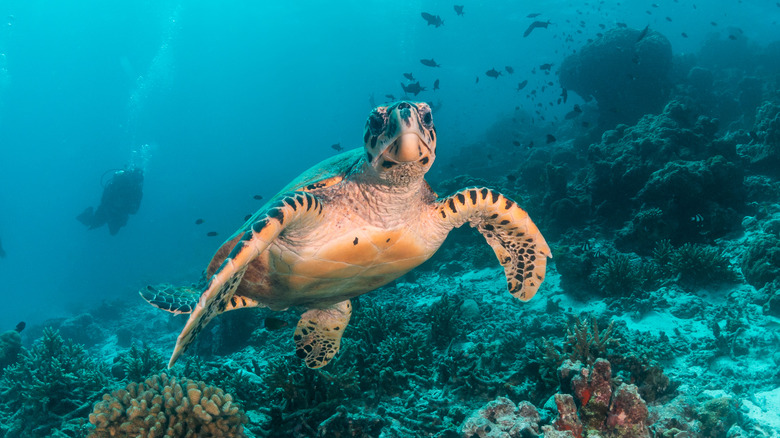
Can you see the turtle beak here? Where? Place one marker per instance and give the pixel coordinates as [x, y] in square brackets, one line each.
[408, 147]
[410, 144]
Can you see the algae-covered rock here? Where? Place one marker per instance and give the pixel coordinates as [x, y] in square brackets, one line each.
[761, 261]
[625, 70]
[502, 418]
[718, 415]
[628, 414]
[10, 347]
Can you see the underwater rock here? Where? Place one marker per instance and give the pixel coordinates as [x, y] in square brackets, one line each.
[628, 413]
[628, 159]
[10, 347]
[502, 418]
[82, 329]
[718, 415]
[763, 148]
[761, 260]
[593, 389]
[567, 419]
[626, 73]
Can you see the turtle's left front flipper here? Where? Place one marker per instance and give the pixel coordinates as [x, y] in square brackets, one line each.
[292, 210]
[517, 242]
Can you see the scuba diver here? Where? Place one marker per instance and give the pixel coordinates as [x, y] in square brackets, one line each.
[121, 198]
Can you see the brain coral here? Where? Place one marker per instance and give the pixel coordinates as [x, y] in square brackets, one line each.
[167, 406]
[626, 71]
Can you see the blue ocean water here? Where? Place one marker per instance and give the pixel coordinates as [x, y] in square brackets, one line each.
[220, 102]
[235, 99]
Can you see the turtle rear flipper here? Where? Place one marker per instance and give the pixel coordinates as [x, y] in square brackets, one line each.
[179, 300]
[507, 228]
[292, 210]
[318, 335]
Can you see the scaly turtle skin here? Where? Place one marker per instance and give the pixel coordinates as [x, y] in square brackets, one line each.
[350, 225]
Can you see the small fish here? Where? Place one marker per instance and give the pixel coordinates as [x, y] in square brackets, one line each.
[550, 138]
[337, 147]
[477, 81]
[535, 25]
[247, 217]
[511, 178]
[546, 67]
[573, 113]
[530, 144]
[435, 85]
[493, 73]
[414, 88]
[409, 76]
[433, 20]
[733, 37]
[429, 63]
[533, 15]
[713, 23]
[698, 220]
[272, 323]
[509, 69]
[20, 326]
[257, 197]
[212, 233]
[669, 19]
[684, 35]
[522, 85]
[458, 9]
[516, 143]
[199, 221]
[643, 33]
[586, 246]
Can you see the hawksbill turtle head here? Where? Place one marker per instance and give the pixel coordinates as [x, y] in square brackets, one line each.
[400, 141]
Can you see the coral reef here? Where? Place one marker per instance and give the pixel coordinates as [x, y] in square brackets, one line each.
[761, 260]
[10, 346]
[625, 70]
[501, 418]
[53, 383]
[167, 406]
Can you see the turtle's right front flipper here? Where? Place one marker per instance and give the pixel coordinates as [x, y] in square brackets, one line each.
[292, 210]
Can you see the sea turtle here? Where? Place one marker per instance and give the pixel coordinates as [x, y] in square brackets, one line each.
[349, 225]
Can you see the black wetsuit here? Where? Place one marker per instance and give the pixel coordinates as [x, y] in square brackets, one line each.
[121, 198]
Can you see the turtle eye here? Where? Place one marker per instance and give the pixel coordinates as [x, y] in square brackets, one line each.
[376, 123]
[427, 119]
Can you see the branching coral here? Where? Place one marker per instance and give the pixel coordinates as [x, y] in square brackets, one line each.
[701, 265]
[52, 383]
[444, 323]
[585, 343]
[139, 364]
[167, 406]
[623, 276]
